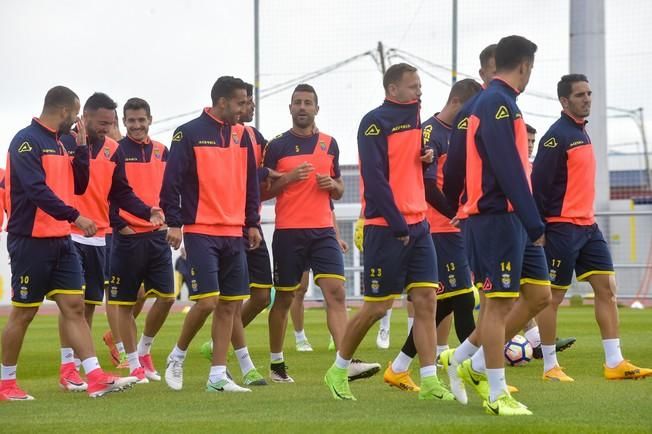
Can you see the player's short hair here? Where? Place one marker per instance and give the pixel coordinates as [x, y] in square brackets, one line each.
[136, 104]
[512, 50]
[59, 96]
[98, 101]
[489, 52]
[530, 129]
[565, 85]
[306, 88]
[250, 89]
[225, 86]
[394, 74]
[464, 90]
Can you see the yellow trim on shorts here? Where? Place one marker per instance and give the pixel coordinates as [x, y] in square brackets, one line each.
[535, 281]
[19, 304]
[233, 297]
[329, 276]
[446, 295]
[122, 303]
[97, 303]
[559, 287]
[421, 285]
[287, 288]
[385, 298]
[594, 272]
[154, 293]
[64, 292]
[502, 294]
[260, 286]
[200, 296]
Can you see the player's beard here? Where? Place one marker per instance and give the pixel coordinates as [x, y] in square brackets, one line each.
[65, 126]
[303, 123]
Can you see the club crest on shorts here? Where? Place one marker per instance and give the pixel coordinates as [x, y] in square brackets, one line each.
[506, 280]
[553, 275]
[114, 291]
[23, 292]
[452, 280]
[375, 286]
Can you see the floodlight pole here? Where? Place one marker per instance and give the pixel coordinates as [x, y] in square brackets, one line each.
[257, 61]
[587, 56]
[454, 40]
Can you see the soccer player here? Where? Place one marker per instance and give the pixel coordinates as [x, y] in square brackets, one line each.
[563, 181]
[297, 308]
[502, 215]
[258, 264]
[107, 182]
[531, 329]
[304, 234]
[258, 261]
[455, 291]
[211, 190]
[41, 182]
[398, 250]
[140, 252]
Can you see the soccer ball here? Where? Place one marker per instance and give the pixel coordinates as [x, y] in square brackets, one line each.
[518, 351]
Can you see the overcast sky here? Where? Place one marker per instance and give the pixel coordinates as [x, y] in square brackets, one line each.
[171, 51]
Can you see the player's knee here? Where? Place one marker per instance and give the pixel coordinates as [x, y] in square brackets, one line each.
[73, 309]
[377, 310]
[606, 293]
[206, 305]
[542, 301]
[283, 299]
[22, 317]
[260, 298]
[166, 300]
[423, 299]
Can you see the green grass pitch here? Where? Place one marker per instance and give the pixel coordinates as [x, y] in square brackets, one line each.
[591, 404]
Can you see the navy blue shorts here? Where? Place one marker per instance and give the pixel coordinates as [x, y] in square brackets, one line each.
[452, 265]
[296, 250]
[501, 255]
[138, 259]
[218, 266]
[259, 266]
[92, 259]
[42, 267]
[391, 267]
[570, 248]
[107, 260]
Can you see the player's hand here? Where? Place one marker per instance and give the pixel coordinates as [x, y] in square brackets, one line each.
[114, 131]
[273, 174]
[301, 172]
[86, 225]
[325, 182]
[157, 218]
[127, 231]
[173, 237]
[81, 131]
[343, 245]
[428, 157]
[541, 241]
[254, 238]
[405, 240]
[358, 234]
[455, 222]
